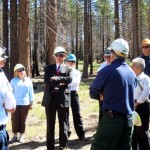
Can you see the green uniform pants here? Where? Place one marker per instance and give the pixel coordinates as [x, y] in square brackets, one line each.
[113, 133]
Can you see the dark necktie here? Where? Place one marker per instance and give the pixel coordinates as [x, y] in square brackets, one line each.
[58, 71]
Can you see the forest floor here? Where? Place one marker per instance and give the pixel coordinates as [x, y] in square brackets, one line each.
[35, 136]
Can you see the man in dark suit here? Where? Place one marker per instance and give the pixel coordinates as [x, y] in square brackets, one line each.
[57, 98]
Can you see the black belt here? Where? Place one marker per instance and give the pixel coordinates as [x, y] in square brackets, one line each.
[73, 91]
[112, 113]
[55, 90]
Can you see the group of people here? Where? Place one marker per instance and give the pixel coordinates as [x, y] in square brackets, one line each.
[62, 84]
[61, 91]
[123, 92]
[16, 97]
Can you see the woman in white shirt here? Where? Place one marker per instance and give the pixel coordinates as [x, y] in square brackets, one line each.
[7, 102]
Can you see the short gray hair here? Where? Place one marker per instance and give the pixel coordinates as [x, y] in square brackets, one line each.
[139, 61]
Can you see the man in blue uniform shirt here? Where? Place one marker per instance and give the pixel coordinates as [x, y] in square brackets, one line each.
[7, 102]
[117, 82]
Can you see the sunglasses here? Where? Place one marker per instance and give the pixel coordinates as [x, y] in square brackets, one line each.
[59, 55]
[107, 56]
[145, 47]
[70, 61]
[20, 70]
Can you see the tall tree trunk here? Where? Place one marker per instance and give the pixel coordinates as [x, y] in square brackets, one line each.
[81, 45]
[42, 32]
[140, 24]
[123, 18]
[108, 32]
[72, 40]
[117, 31]
[14, 52]
[103, 32]
[135, 27]
[24, 41]
[51, 34]
[77, 50]
[35, 70]
[86, 48]
[5, 35]
[90, 40]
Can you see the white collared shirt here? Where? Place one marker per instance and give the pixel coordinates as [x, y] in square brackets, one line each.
[140, 95]
[104, 64]
[58, 66]
[76, 78]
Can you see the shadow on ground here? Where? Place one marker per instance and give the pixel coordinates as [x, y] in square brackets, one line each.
[74, 144]
[28, 146]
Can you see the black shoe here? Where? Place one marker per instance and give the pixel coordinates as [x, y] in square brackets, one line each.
[14, 139]
[63, 148]
[83, 138]
[69, 133]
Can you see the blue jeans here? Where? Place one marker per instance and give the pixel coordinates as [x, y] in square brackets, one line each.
[4, 138]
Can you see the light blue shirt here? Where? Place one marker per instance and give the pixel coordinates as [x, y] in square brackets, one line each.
[23, 91]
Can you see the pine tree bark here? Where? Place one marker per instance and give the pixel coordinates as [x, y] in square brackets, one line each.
[5, 35]
[24, 40]
[117, 30]
[86, 48]
[135, 28]
[90, 38]
[14, 52]
[35, 70]
[77, 21]
[51, 30]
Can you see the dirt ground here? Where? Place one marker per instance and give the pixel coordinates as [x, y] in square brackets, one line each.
[38, 142]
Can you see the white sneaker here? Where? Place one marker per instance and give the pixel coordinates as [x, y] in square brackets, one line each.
[21, 139]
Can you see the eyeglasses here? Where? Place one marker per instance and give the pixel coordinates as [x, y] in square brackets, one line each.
[145, 47]
[70, 61]
[59, 55]
[20, 70]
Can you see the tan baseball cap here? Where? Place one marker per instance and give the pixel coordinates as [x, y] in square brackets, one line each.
[145, 42]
